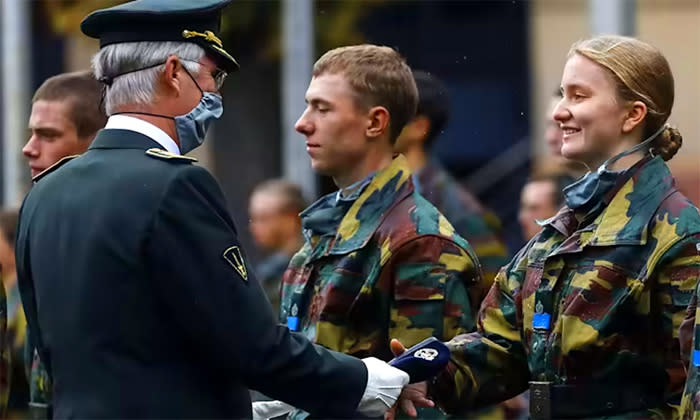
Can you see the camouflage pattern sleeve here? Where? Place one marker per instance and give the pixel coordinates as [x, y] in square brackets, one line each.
[684, 270]
[5, 350]
[488, 246]
[489, 365]
[436, 290]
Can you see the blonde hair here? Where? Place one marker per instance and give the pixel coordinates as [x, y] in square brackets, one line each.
[379, 76]
[641, 73]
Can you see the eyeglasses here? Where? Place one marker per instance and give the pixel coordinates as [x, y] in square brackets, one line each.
[219, 77]
[217, 74]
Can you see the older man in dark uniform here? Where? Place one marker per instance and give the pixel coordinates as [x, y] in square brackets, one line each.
[136, 288]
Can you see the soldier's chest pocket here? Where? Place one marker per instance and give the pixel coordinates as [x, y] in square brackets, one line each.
[339, 290]
[599, 291]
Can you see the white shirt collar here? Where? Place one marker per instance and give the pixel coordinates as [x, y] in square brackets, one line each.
[123, 122]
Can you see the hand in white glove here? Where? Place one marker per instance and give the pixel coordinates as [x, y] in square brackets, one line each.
[384, 385]
[264, 410]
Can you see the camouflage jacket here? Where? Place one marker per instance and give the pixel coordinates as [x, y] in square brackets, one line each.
[391, 266]
[593, 305]
[5, 352]
[468, 217]
[269, 272]
[40, 387]
[690, 342]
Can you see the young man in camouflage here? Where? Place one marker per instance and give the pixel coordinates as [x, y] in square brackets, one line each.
[464, 211]
[379, 261]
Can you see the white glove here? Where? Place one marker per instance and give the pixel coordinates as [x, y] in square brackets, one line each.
[384, 385]
[263, 410]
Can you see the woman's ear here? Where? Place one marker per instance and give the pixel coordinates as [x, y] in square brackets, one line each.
[634, 117]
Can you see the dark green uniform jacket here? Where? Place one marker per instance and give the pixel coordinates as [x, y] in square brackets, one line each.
[145, 304]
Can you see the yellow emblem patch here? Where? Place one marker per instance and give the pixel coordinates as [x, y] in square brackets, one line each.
[234, 256]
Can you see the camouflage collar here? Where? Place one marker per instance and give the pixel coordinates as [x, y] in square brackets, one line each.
[387, 188]
[625, 219]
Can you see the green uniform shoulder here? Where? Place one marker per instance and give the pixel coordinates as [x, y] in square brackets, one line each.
[53, 167]
[157, 153]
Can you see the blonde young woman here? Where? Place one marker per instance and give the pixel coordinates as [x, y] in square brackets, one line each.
[587, 314]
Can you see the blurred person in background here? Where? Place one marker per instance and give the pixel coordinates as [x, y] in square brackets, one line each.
[66, 115]
[379, 261]
[275, 225]
[541, 198]
[16, 322]
[587, 314]
[461, 208]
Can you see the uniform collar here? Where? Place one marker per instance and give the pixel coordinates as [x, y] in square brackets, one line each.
[388, 187]
[122, 139]
[628, 207]
[124, 122]
[626, 218]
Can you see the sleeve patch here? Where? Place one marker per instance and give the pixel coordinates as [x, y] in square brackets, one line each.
[234, 256]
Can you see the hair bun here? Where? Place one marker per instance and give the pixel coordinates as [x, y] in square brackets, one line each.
[668, 142]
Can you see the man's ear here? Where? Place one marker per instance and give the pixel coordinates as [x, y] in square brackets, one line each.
[634, 117]
[377, 122]
[171, 77]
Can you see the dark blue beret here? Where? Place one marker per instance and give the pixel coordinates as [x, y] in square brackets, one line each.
[195, 21]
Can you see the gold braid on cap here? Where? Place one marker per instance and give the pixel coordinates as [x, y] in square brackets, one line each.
[207, 35]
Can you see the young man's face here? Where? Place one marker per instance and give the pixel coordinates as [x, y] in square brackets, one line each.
[53, 135]
[334, 126]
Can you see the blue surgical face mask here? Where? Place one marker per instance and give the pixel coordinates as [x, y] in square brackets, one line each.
[192, 127]
[591, 187]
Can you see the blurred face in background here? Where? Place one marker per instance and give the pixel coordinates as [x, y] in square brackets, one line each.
[272, 223]
[53, 135]
[334, 126]
[536, 203]
[590, 115]
[552, 132]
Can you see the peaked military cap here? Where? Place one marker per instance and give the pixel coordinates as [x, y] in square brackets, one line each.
[195, 21]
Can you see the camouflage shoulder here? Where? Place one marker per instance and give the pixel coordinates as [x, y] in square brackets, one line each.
[157, 153]
[53, 167]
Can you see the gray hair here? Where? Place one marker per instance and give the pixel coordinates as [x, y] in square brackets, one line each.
[138, 87]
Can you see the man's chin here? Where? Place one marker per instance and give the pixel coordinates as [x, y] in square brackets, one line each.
[319, 168]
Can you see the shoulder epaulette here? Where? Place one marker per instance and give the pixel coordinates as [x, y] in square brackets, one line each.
[165, 155]
[53, 167]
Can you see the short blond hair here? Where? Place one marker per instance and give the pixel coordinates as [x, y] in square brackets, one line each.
[379, 76]
[641, 73]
